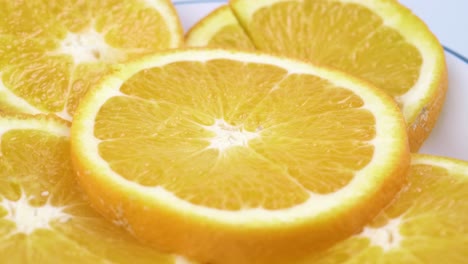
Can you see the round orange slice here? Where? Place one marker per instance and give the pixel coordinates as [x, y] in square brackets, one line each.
[51, 52]
[232, 157]
[44, 216]
[425, 224]
[379, 41]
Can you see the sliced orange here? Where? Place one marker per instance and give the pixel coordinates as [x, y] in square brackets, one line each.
[379, 41]
[52, 51]
[426, 224]
[226, 34]
[44, 216]
[232, 157]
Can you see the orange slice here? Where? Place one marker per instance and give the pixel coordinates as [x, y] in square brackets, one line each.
[232, 157]
[44, 216]
[226, 34]
[52, 51]
[379, 41]
[426, 224]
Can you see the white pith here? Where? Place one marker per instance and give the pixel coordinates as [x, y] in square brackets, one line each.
[386, 145]
[54, 127]
[182, 260]
[227, 136]
[387, 237]
[64, 115]
[28, 218]
[88, 46]
[457, 167]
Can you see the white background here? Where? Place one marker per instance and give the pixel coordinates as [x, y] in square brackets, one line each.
[448, 19]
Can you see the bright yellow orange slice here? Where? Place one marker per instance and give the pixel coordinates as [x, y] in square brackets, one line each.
[44, 216]
[426, 224]
[232, 157]
[52, 51]
[379, 41]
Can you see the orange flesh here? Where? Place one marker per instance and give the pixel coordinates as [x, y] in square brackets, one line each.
[32, 66]
[36, 164]
[346, 36]
[382, 44]
[159, 137]
[231, 36]
[433, 224]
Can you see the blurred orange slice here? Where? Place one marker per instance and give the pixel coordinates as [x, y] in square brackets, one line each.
[226, 34]
[426, 224]
[44, 216]
[51, 52]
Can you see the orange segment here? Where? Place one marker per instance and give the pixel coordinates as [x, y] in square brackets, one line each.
[347, 36]
[377, 40]
[53, 51]
[45, 80]
[237, 170]
[44, 216]
[227, 33]
[426, 224]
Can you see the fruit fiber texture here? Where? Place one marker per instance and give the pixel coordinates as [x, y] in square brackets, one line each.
[52, 52]
[264, 168]
[379, 41]
[425, 224]
[44, 215]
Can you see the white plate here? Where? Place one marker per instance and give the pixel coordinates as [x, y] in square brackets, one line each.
[450, 136]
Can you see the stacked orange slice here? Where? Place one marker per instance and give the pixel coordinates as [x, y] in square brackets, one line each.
[379, 41]
[52, 52]
[44, 215]
[194, 159]
[426, 223]
[224, 156]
